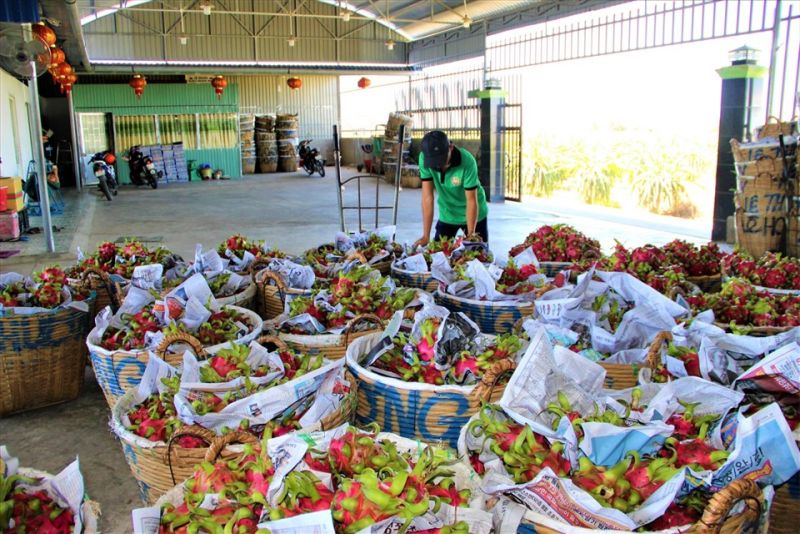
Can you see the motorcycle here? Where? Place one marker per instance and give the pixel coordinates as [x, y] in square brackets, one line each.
[102, 168]
[142, 169]
[310, 159]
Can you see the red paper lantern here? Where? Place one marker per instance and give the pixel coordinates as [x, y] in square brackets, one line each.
[69, 81]
[57, 57]
[294, 83]
[219, 83]
[137, 83]
[60, 72]
[45, 33]
[363, 83]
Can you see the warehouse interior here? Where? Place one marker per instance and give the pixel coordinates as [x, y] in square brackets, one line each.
[223, 100]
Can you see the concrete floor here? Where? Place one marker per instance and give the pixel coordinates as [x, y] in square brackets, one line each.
[293, 213]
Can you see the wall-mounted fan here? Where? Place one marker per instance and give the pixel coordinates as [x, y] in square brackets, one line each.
[18, 55]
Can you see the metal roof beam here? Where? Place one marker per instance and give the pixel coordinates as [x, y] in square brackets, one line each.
[139, 23]
[236, 19]
[324, 27]
[282, 7]
[172, 26]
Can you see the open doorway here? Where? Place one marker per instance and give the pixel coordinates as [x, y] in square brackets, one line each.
[95, 136]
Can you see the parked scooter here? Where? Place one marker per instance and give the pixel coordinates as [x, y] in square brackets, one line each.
[102, 166]
[142, 169]
[310, 159]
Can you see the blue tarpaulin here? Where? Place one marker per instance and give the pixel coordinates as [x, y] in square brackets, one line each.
[19, 11]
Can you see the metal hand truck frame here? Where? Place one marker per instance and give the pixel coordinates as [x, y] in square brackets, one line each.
[359, 207]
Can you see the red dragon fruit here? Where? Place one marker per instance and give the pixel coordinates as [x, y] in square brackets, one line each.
[694, 453]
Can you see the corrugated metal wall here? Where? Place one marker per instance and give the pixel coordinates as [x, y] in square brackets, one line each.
[160, 99]
[316, 102]
[157, 98]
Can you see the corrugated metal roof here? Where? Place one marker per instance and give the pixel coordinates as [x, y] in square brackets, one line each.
[413, 19]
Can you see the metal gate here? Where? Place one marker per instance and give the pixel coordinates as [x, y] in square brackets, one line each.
[511, 131]
[462, 125]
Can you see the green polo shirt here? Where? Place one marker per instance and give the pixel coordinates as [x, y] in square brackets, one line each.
[450, 189]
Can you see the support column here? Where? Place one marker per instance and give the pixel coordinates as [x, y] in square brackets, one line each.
[491, 167]
[741, 110]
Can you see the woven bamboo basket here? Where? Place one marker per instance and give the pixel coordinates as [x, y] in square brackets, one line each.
[491, 317]
[743, 152]
[384, 266]
[244, 299]
[626, 375]
[552, 268]
[783, 512]
[120, 370]
[415, 410]
[709, 284]
[157, 467]
[42, 358]
[273, 293]
[775, 127]
[717, 517]
[419, 280]
[333, 346]
[108, 292]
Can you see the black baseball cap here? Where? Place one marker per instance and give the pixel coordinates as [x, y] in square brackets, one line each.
[435, 147]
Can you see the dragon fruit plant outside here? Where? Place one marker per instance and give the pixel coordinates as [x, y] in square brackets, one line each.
[741, 305]
[770, 270]
[558, 243]
[122, 259]
[412, 360]
[372, 481]
[623, 486]
[351, 294]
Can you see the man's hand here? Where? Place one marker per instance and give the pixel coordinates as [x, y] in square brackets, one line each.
[422, 241]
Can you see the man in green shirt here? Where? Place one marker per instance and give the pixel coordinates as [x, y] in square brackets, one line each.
[453, 173]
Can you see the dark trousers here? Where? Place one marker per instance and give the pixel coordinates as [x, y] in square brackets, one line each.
[444, 229]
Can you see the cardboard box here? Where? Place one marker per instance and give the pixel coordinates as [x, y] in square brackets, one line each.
[9, 225]
[16, 201]
[13, 183]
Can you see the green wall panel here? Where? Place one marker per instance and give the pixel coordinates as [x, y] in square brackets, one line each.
[227, 159]
[157, 99]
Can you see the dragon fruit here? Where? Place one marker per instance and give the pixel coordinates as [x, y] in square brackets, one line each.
[695, 453]
[559, 243]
